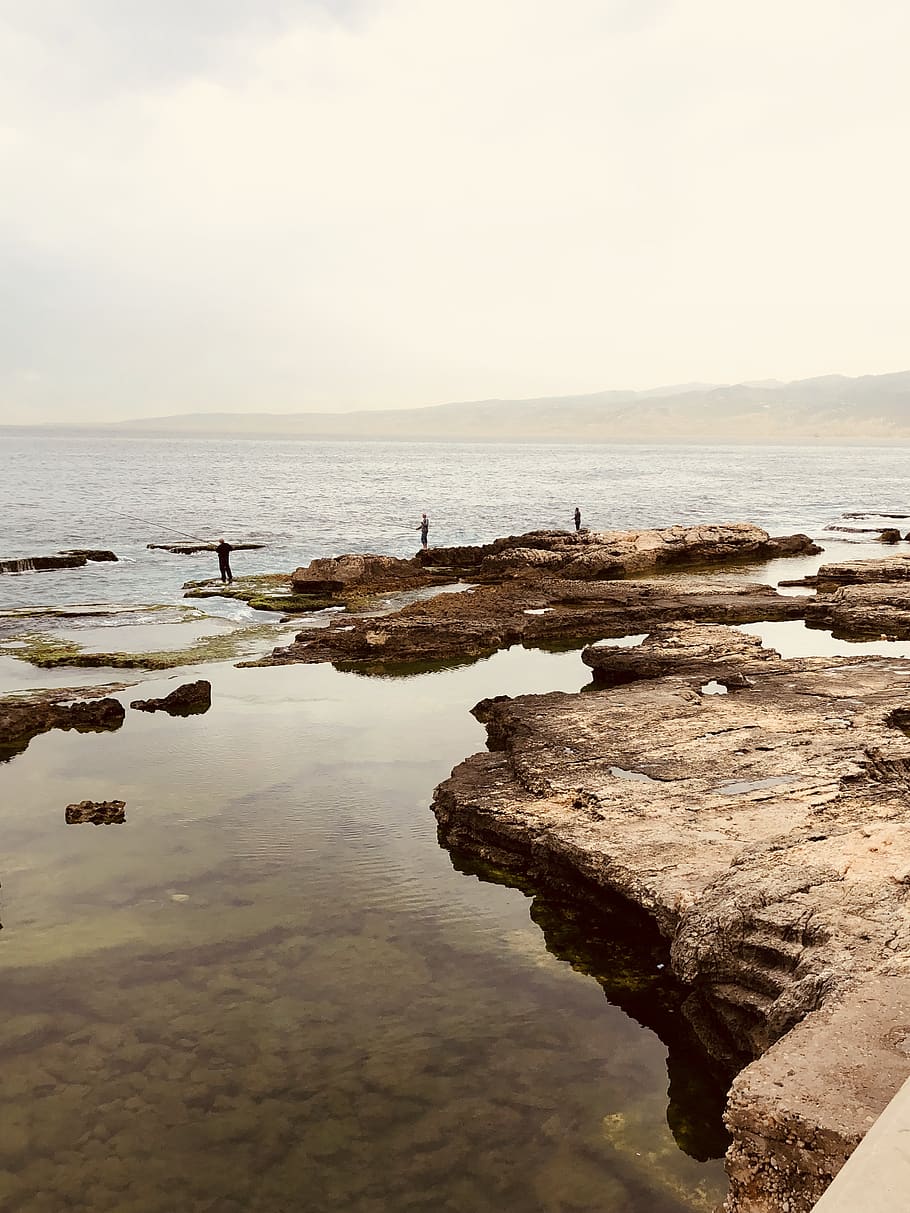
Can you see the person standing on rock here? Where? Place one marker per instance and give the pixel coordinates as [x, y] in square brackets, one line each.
[224, 560]
[577, 519]
[424, 528]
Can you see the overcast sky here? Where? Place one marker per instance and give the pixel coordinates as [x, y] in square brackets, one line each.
[285, 205]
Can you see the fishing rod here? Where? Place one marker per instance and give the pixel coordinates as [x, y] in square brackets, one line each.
[158, 525]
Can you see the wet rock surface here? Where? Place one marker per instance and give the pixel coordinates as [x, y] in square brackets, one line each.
[540, 612]
[190, 549]
[191, 699]
[543, 588]
[765, 832]
[74, 558]
[96, 813]
[23, 717]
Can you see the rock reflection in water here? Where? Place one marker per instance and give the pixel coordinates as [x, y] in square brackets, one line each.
[619, 946]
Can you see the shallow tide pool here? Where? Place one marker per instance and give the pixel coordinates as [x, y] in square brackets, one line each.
[271, 990]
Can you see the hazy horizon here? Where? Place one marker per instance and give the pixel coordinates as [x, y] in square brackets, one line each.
[329, 206]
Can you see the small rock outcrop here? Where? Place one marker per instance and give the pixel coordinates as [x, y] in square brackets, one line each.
[96, 813]
[366, 573]
[191, 699]
[766, 831]
[862, 572]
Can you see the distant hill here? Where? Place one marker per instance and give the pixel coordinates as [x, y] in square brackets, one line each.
[826, 409]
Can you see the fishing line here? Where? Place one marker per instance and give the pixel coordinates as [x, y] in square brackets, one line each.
[158, 526]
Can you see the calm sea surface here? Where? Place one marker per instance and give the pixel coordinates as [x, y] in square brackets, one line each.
[270, 990]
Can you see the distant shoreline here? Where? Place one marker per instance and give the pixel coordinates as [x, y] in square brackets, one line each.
[135, 433]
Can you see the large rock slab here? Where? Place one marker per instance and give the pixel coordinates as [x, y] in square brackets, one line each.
[546, 611]
[765, 830]
[586, 555]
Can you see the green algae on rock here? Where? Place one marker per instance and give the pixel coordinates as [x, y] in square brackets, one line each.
[48, 653]
[261, 591]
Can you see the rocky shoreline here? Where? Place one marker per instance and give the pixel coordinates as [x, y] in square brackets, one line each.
[763, 831]
[752, 807]
[547, 588]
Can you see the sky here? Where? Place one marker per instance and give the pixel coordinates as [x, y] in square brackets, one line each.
[296, 205]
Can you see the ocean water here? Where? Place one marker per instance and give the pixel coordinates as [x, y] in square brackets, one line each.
[308, 499]
[271, 990]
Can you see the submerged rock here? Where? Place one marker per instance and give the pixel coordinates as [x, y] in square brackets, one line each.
[766, 833]
[191, 699]
[96, 813]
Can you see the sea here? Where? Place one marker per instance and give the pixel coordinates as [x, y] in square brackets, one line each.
[271, 989]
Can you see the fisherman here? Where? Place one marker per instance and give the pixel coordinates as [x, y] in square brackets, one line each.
[424, 528]
[577, 519]
[224, 560]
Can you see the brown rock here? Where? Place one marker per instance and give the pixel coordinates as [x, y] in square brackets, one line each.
[25, 717]
[767, 833]
[864, 611]
[191, 699]
[477, 622]
[96, 813]
[366, 573]
[588, 555]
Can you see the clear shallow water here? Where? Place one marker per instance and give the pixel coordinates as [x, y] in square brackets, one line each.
[271, 989]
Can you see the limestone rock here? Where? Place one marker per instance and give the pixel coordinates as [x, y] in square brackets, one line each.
[334, 574]
[604, 554]
[864, 611]
[766, 833]
[536, 612]
[862, 572]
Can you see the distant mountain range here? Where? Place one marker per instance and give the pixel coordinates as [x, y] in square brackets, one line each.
[826, 409]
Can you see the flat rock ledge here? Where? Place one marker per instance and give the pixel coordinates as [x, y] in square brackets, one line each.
[544, 612]
[544, 588]
[595, 555]
[758, 810]
[74, 558]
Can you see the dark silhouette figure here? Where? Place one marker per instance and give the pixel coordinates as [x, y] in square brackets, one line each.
[424, 528]
[224, 560]
[577, 519]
